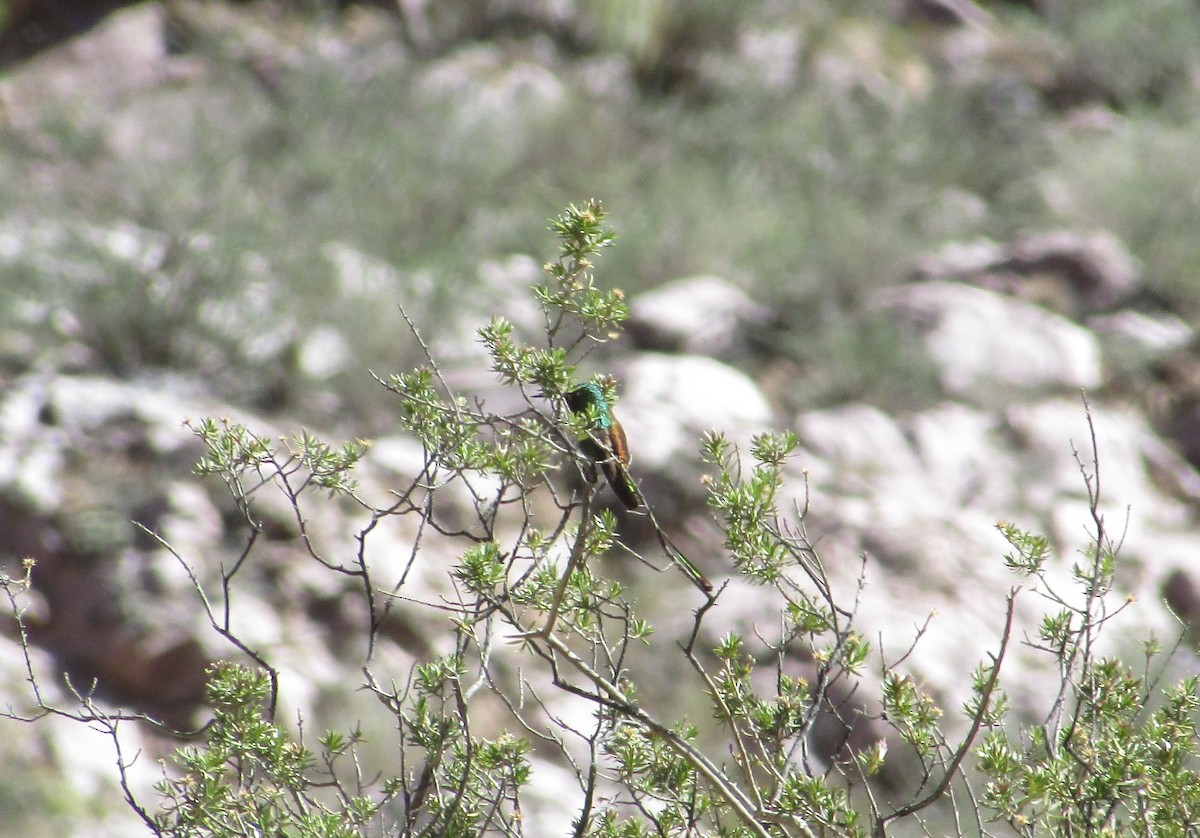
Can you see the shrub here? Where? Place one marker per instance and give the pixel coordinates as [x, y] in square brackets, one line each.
[531, 619]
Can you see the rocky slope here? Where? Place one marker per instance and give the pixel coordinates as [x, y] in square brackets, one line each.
[96, 470]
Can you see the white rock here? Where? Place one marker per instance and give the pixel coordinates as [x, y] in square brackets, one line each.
[504, 286]
[1050, 434]
[668, 401]
[360, 274]
[859, 439]
[772, 55]
[964, 455]
[324, 352]
[126, 53]
[959, 259]
[191, 526]
[492, 93]
[855, 456]
[990, 348]
[550, 804]
[1134, 337]
[920, 497]
[703, 315]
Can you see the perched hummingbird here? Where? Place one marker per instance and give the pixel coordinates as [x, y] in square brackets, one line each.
[605, 444]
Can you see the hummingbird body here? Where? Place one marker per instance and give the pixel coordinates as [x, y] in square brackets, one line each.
[605, 444]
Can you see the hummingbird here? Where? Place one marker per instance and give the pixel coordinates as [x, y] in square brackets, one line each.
[605, 444]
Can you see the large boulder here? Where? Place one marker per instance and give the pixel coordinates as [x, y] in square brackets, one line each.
[1074, 273]
[125, 53]
[702, 315]
[903, 511]
[990, 348]
[669, 401]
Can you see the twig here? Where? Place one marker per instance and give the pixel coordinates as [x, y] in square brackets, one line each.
[965, 747]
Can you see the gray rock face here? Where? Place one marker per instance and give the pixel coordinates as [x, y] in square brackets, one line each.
[1076, 273]
[1132, 339]
[919, 497]
[125, 53]
[668, 401]
[905, 504]
[703, 315]
[991, 348]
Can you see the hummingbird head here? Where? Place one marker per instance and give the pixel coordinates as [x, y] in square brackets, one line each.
[589, 395]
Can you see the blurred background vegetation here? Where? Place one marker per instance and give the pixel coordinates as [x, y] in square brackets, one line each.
[257, 219]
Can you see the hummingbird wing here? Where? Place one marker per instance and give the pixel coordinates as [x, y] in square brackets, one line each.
[595, 453]
[617, 442]
[622, 484]
[614, 467]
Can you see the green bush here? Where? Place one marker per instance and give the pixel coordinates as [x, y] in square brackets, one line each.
[1125, 55]
[1114, 755]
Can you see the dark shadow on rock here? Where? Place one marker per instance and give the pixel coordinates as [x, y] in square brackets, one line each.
[101, 650]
